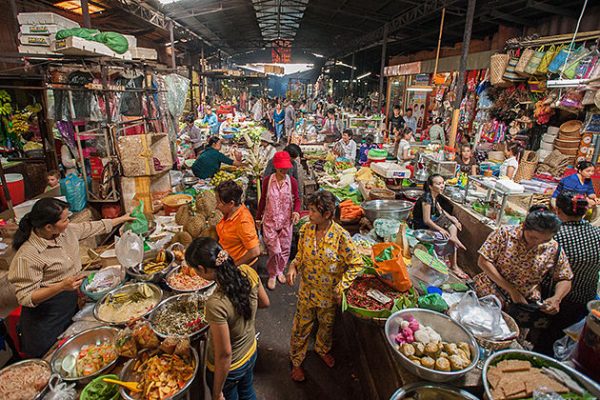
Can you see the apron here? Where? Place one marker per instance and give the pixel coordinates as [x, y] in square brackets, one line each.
[41, 325]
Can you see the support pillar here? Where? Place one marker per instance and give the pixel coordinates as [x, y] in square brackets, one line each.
[85, 13]
[386, 29]
[172, 39]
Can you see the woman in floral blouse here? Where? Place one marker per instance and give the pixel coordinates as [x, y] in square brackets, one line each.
[515, 260]
[327, 261]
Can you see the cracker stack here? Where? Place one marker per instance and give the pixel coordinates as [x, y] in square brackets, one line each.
[517, 379]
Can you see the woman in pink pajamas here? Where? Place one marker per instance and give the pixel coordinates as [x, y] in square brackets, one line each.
[278, 211]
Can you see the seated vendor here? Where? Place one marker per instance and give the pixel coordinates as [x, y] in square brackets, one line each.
[226, 126]
[46, 271]
[402, 144]
[580, 183]
[348, 146]
[466, 161]
[429, 214]
[363, 151]
[332, 126]
[209, 161]
[193, 133]
[236, 231]
[513, 154]
[211, 120]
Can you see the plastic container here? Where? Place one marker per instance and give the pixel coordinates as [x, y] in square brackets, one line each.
[16, 188]
[428, 269]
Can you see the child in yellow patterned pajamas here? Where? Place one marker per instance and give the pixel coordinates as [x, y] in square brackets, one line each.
[327, 261]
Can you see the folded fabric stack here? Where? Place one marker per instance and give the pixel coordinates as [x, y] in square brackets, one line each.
[538, 186]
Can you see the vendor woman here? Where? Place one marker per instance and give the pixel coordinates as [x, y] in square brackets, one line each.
[429, 214]
[466, 161]
[510, 165]
[579, 183]
[46, 270]
[209, 161]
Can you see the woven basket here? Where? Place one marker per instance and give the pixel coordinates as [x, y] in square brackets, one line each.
[495, 345]
[567, 143]
[510, 74]
[527, 166]
[567, 152]
[498, 64]
[177, 200]
[382, 194]
[524, 61]
[535, 61]
[571, 127]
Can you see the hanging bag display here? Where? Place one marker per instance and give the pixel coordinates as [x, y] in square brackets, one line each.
[498, 63]
[534, 61]
[547, 59]
[574, 61]
[509, 73]
[561, 58]
[526, 56]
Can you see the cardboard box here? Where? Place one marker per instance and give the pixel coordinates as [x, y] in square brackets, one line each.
[143, 53]
[45, 18]
[145, 155]
[77, 46]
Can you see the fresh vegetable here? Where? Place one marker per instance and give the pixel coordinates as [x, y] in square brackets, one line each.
[93, 358]
[100, 390]
[350, 211]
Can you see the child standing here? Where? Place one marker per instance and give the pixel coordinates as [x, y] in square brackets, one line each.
[278, 211]
[327, 261]
[53, 179]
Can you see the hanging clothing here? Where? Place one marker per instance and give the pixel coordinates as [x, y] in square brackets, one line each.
[278, 202]
[326, 268]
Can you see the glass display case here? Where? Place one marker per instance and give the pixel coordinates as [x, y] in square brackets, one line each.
[434, 165]
[500, 206]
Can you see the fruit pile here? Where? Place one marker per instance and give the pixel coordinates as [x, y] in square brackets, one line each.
[220, 177]
[199, 220]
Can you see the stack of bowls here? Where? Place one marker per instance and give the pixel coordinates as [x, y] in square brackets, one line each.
[569, 138]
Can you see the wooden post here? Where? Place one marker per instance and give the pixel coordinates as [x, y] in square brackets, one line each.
[352, 74]
[386, 29]
[462, 71]
[172, 38]
[85, 12]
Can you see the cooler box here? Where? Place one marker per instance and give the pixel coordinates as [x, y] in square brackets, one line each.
[16, 188]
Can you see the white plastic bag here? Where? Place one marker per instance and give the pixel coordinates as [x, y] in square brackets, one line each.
[483, 317]
[59, 390]
[129, 249]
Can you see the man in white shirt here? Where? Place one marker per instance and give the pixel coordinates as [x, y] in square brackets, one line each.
[410, 121]
[194, 134]
[348, 145]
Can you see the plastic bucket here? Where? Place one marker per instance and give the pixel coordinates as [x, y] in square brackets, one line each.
[16, 188]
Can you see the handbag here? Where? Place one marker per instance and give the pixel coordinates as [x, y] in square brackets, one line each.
[560, 59]
[510, 74]
[534, 61]
[542, 69]
[573, 66]
[524, 61]
[498, 63]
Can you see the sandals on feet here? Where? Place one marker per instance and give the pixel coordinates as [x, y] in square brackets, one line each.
[271, 283]
[297, 374]
[328, 359]
[281, 278]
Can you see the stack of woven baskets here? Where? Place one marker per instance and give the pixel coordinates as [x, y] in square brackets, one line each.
[569, 138]
[547, 144]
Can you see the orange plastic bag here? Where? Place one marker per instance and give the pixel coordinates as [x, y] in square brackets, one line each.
[393, 272]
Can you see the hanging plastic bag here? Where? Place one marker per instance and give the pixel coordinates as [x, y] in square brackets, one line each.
[129, 249]
[483, 317]
[74, 189]
[140, 225]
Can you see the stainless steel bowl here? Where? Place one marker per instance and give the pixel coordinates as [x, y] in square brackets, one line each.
[175, 299]
[584, 381]
[176, 270]
[412, 194]
[158, 294]
[23, 363]
[190, 180]
[449, 330]
[72, 347]
[155, 277]
[424, 235]
[127, 375]
[392, 209]
[430, 390]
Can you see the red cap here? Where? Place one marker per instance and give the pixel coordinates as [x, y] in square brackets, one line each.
[282, 160]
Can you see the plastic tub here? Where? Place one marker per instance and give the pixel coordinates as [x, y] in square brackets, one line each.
[16, 188]
[428, 269]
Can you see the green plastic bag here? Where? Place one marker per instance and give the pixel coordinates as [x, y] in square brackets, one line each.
[140, 225]
[83, 33]
[115, 41]
[385, 255]
[433, 302]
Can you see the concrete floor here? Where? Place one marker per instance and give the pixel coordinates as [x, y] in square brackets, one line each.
[271, 375]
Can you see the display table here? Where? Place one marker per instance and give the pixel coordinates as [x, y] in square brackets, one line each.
[379, 368]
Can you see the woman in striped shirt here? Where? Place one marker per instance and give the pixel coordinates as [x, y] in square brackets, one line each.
[46, 270]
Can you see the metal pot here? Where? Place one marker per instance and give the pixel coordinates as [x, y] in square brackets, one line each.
[175, 299]
[449, 330]
[130, 287]
[391, 209]
[431, 390]
[23, 363]
[412, 194]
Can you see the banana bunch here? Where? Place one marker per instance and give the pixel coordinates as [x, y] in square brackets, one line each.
[221, 177]
[161, 256]
[5, 107]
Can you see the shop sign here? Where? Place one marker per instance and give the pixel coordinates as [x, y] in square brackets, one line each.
[403, 69]
[281, 53]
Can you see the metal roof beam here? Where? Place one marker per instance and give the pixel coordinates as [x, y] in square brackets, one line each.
[495, 14]
[551, 9]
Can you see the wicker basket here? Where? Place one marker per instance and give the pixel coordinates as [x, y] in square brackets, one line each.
[571, 128]
[495, 345]
[567, 143]
[524, 61]
[527, 166]
[498, 64]
[382, 194]
[566, 151]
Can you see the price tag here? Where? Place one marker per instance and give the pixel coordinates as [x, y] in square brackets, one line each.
[378, 296]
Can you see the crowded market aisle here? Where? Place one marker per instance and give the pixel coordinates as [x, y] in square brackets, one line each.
[271, 374]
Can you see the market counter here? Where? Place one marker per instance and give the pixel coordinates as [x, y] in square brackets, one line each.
[380, 371]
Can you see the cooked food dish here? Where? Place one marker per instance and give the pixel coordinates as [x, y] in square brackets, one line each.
[123, 306]
[23, 382]
[186, 278]
[92, 358]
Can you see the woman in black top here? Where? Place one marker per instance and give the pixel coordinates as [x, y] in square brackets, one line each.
[429, 214]
[580, 241]
[466, 160]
